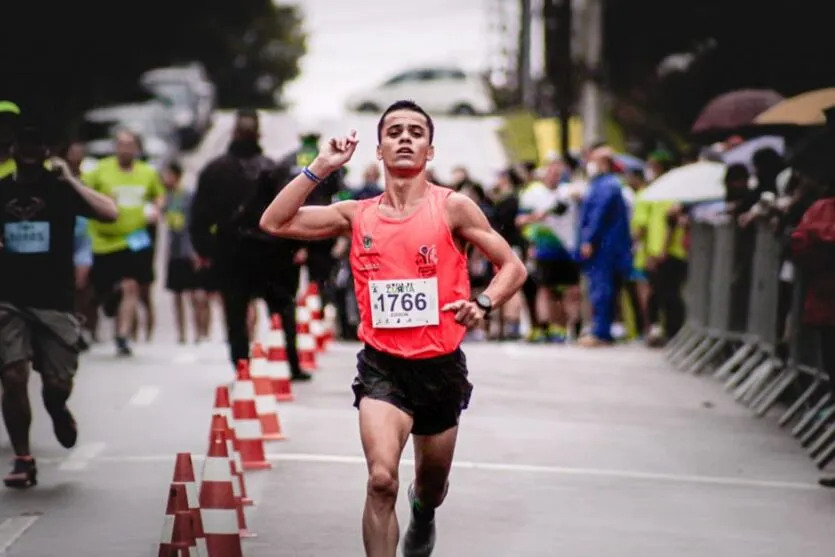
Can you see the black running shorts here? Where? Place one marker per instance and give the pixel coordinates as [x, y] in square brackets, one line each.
[433, 391]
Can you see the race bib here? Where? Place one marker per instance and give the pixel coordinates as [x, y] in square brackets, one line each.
[139, 240]
[401, 304]
[26, 237]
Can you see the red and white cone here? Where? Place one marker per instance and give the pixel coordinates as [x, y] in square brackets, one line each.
[217, 502]
[305, 341]
[184, 475]
[222, 424]
[278, 368]
[313, 303]
[247, 424]
[223, 404]
[177, 530]
[265, 403]
[244, 388]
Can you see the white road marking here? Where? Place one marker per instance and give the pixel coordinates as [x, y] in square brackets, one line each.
[145, 396]
[185, 358]
[509, 468]
[81, 456]
[13, 528]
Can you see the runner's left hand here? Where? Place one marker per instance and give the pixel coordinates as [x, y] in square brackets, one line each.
[61, 166]
[466, 312]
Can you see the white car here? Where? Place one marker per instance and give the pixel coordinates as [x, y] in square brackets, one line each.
[438, 90]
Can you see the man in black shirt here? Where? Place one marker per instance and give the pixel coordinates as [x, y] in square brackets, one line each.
[233, 190]
[38, 209]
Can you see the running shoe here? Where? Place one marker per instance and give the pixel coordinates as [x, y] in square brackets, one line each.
[64, 426]
[24, 474]
[419, 540]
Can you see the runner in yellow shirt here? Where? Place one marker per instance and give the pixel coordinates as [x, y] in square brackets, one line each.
[122, 254]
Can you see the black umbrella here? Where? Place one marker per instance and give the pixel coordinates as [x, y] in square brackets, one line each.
[734, 110]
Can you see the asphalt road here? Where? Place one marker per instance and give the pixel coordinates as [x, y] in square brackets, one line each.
[563, 452]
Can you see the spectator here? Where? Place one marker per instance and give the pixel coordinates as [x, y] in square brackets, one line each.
[605, 244]
[813, 246]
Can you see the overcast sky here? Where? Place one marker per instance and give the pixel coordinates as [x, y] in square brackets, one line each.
[356, 45]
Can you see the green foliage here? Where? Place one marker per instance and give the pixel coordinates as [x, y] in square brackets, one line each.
[59, 58]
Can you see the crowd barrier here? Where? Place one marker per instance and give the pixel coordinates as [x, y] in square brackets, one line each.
[736, 330]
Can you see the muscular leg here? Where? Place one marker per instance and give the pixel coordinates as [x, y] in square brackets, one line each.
[17, 412]
[384, 430]
[433, 461]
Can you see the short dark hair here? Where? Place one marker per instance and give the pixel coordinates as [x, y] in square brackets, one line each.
[175, 168]
[411, 106]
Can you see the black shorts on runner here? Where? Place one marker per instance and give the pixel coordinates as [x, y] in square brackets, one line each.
[207, 280]
[112, 268]
[557, 273]
[433, 391]
[47, 338]
[180, 276]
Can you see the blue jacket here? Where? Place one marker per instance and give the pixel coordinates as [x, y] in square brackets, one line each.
[604, 223]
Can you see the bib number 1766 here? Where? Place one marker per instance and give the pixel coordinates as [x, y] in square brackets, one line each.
[399, 304]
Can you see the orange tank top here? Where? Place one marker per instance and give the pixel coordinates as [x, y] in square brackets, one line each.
[405, 270]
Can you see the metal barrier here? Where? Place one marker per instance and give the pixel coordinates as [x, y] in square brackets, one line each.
[732, 328]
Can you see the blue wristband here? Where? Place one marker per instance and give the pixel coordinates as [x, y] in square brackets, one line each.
[310, 175]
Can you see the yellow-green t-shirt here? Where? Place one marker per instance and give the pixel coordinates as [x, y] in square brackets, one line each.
[132, 190]
[657, 228]
[640, 219]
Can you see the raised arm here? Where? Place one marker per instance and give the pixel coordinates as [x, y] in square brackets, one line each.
[286, 216]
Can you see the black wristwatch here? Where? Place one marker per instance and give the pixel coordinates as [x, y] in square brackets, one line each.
[484, 303]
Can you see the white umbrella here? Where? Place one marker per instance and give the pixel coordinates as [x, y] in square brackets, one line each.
[692, 183]
[744, 152]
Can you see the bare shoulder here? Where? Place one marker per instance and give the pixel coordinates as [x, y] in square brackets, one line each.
[348, 208]
[463, 211]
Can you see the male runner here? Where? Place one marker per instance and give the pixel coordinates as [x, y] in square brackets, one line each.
[38, 209]
[412, 287]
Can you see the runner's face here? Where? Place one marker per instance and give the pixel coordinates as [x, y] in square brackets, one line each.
[126, 148]
[404, 144]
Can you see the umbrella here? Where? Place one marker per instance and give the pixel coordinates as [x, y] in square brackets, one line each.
[692, 183]
[734, 110]
[629, 162]
[743, 153]
[805, 109]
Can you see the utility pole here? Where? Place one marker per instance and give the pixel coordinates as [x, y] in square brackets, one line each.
[591, 96]
[524, 79]
[558, 61]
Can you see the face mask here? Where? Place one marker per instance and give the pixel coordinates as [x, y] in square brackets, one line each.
[592, 169]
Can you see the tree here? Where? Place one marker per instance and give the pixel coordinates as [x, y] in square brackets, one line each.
[83, 54]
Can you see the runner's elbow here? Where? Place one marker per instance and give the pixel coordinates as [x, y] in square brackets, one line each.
[109, 213]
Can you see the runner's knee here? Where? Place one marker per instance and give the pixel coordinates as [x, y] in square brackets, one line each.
[130, 287]
[15, 376]
[383, 483]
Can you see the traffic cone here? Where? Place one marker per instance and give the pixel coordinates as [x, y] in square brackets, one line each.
[245, 389]
[330, 323]
[243, 530]
[265, 402]
[305, 341]
[184, 475]
[248, 429]
[313, 303]
[223, 406]
[217, 502]
[278, 368]
[177, 534]
[221, 423]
